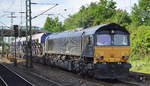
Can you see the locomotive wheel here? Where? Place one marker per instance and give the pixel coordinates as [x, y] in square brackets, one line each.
[90, 73]
[44, 60]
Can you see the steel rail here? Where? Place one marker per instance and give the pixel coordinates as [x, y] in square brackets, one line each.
[3, 81]
[16, 74]
[51, 81]
[131, 83]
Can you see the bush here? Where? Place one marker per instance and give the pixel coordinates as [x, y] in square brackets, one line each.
[140, 42]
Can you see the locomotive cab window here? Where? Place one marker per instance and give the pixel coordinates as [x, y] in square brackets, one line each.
[104, 39]
[120, 39]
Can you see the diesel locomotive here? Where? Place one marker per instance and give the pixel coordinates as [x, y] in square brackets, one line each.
[100, 51]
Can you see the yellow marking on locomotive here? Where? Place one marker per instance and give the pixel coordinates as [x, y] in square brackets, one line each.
[111, 53]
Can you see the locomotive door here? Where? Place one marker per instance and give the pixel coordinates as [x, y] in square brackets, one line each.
[82, 43]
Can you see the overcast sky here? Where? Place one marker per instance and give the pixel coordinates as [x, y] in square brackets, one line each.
[72, 6]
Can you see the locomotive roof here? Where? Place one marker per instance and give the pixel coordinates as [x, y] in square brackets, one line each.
[44, 36]
[87, 31]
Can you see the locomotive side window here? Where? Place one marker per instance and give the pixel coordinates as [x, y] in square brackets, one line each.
[120, 39]
[104, 39]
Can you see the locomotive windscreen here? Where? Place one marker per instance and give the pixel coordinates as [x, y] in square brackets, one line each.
[112, 37]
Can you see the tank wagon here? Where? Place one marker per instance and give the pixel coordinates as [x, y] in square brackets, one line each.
[101, 51]
[22, 47]
[19, 45]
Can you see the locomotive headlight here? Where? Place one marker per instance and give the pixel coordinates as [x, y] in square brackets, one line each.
[101, 57]
[112, 31]
[125, 57]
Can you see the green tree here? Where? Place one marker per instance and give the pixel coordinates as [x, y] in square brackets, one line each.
[140, 30]
[120, 17]
[140, 41]
[53, 25]
[94, 14]
[141, 13]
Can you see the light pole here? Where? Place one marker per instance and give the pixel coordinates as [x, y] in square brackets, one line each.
[2, 35]
[29, 27]
[30, 32]
[12, 16]
[15, 60]
[15, 27]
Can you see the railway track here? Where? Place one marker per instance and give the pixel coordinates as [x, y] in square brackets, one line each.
[118, 82]
[10, 78]
[126, 82]
[140, 76]
[130, 83]
[53, 83]
[39, 78]
[105, 83]
[2, 82]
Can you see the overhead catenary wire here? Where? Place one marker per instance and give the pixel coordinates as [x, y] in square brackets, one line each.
[4, 24]
[3, 15]
[21, 20]
[42, 13]
[10, 6]
[45, 11]
[58, 14]
[7, 7]
[43, 3]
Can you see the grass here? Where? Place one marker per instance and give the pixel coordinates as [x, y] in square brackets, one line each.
[140, 65]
